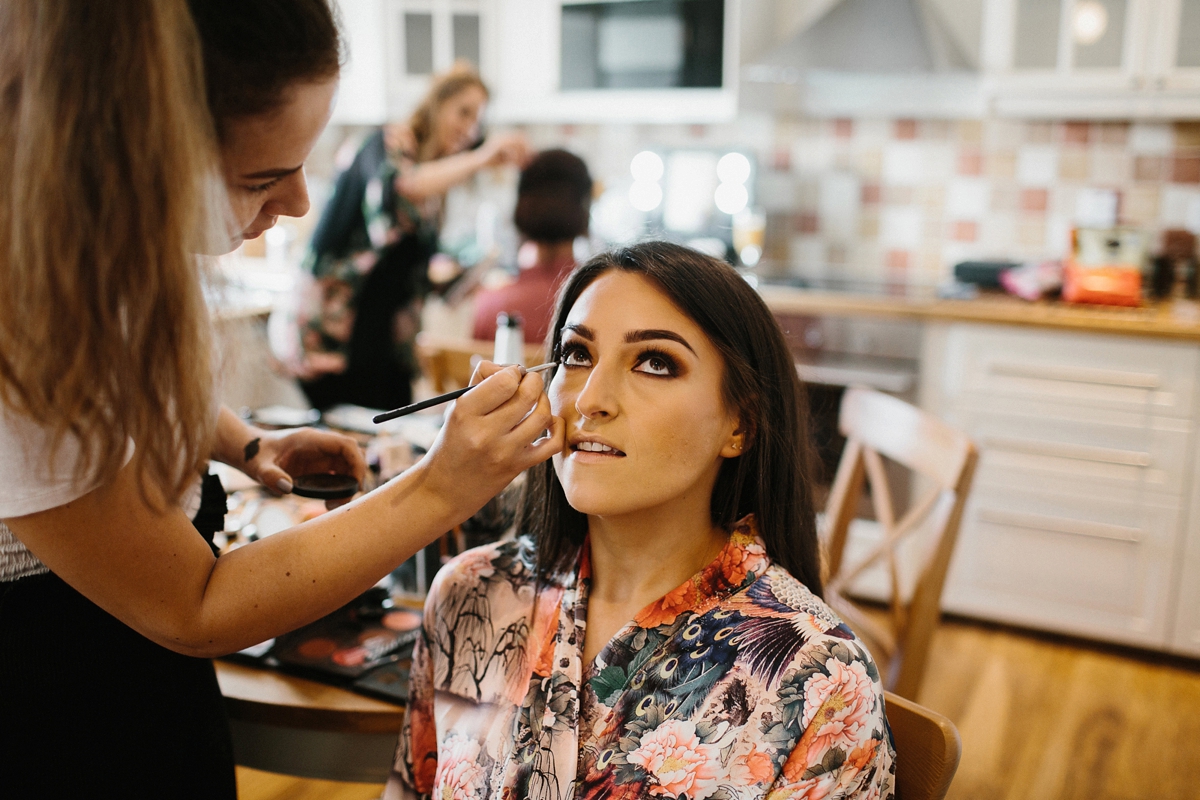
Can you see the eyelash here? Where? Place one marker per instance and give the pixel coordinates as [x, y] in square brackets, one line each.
[262, 187]
[669, 363]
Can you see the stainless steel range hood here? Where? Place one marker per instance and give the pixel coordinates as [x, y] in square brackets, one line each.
[875, 36]
[884, 54]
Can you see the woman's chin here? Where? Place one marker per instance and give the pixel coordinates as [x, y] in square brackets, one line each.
[603, 502]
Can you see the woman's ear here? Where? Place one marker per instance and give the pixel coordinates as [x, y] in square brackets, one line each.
[734, 447]
[739, 441]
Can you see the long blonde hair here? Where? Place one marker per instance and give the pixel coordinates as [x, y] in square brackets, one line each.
[105, 148]
[460, 76]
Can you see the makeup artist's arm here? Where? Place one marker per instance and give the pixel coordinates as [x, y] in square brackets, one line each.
[438, 176]
[273, 458]
[149, 569]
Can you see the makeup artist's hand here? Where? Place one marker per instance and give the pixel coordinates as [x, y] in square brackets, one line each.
[273, 458]
[283, 455]
[492, 434]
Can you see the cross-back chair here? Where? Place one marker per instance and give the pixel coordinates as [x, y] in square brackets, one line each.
[877, 425]
[927, 749]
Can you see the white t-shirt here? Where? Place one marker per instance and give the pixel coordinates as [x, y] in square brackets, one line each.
[30, 483]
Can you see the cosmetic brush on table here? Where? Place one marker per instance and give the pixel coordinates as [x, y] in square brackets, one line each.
[442, 398]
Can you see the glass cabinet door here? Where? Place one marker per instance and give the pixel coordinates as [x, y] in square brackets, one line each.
[1070, 35]
[1187, 37]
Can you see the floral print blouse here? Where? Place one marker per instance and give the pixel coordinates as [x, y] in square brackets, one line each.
[738, 684]
[367, 226]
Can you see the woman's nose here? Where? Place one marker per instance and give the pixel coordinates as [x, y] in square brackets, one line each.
[597, 399]
[290, 198]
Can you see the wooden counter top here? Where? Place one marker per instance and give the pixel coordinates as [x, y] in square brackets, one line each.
[274, 698]
[1180, 320]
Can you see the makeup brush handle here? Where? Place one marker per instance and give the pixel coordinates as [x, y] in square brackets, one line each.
[447, 397]
[421, 406]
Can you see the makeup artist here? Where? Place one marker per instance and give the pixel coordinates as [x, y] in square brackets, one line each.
[111, 603]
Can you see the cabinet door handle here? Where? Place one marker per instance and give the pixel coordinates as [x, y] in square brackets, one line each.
[1075, 527]
[1101, 377]
[1103, 455]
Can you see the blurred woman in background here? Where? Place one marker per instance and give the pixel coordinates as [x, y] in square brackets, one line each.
[366, 275]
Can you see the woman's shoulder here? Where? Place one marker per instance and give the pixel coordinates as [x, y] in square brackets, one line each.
[783, 625]
[485, 568]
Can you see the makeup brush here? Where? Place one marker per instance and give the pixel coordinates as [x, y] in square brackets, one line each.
[442, 398]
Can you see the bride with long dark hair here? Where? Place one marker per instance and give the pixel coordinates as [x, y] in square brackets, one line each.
[656, 628]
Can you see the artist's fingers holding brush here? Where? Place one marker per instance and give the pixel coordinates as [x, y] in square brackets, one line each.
[541, 433]
[474, 452]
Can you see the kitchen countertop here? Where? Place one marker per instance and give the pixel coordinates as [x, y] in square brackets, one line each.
[1166, 320]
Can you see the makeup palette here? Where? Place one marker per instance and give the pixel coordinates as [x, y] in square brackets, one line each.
[349, 643]
[322, 486]
[387, 682]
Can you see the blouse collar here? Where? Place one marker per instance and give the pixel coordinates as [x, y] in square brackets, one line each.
[741, 561]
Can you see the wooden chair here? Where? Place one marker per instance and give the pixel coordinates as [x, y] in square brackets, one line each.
[448, 362]
[927, 749]
[877, 425]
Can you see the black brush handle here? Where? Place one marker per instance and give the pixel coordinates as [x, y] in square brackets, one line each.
[404, 411]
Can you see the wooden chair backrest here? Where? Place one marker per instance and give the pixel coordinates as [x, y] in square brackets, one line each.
[876, 425]
[927, 749]
[449, 362]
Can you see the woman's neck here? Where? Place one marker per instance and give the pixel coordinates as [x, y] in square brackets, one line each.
[638, 558]
[551, 252]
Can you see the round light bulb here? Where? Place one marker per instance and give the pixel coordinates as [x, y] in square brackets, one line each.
[733, 168]
[645, 195]
[750, 255]
[731, 197]
[1089, 22]
[646, 167]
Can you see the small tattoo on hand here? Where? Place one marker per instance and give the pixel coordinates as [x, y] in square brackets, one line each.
[250, 450]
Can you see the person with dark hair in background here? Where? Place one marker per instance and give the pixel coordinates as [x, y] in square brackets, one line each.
[656, 628]
[112, 601]
[554, 199]
[366, 275]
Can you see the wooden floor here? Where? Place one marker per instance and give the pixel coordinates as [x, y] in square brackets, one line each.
[255, 785]
[1040, 718]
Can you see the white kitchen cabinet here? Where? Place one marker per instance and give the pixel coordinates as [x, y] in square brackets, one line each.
[362, 92]
[1076, 517]
[1185, 636]
[527, 85]
[1093, 58]
[395, 46]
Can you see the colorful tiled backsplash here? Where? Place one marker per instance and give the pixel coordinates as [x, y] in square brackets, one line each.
[904, 200]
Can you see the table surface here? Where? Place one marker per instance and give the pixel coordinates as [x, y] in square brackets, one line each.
[1169, 320]
[270, 697]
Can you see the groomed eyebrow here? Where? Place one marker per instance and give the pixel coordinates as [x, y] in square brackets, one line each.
[584, 332]
[272, 173]
[652, 334]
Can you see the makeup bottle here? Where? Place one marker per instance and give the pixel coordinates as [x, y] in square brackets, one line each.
[510, 340]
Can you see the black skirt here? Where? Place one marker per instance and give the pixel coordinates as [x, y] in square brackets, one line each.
[91, 708]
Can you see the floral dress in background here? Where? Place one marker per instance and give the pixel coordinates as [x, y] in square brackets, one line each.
[738, 684]
[364, 280]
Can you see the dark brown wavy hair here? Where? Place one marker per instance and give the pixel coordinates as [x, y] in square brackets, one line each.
[772, 479]
[254, 50]
[554, 197]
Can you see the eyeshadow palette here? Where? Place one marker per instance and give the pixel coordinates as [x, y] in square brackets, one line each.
[348, 643]
[387, 682]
